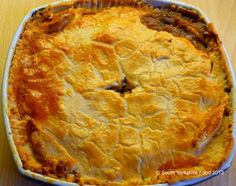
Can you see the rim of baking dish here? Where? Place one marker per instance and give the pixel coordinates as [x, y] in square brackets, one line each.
[154, 3]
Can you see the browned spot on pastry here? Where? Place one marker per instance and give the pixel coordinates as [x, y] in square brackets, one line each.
[182, 22]
[35, 90]
[58, 21]
[105, 38]
[34, 43]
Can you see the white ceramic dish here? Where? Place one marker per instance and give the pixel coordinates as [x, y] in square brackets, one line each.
[155, 3]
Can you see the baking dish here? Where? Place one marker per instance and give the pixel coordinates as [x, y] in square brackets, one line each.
[5, 82]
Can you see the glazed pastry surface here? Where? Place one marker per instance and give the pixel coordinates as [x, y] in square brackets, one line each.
[100, 97]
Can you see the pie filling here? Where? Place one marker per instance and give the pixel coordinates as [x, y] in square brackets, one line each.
[120, 95]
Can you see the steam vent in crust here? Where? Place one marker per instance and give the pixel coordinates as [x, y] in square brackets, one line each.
[115, 92]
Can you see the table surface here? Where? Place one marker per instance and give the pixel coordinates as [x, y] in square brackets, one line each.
[223, 14]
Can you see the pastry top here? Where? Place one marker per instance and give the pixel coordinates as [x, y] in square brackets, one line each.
[104, 97]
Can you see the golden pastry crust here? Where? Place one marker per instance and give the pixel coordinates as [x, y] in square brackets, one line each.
[97, 97]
